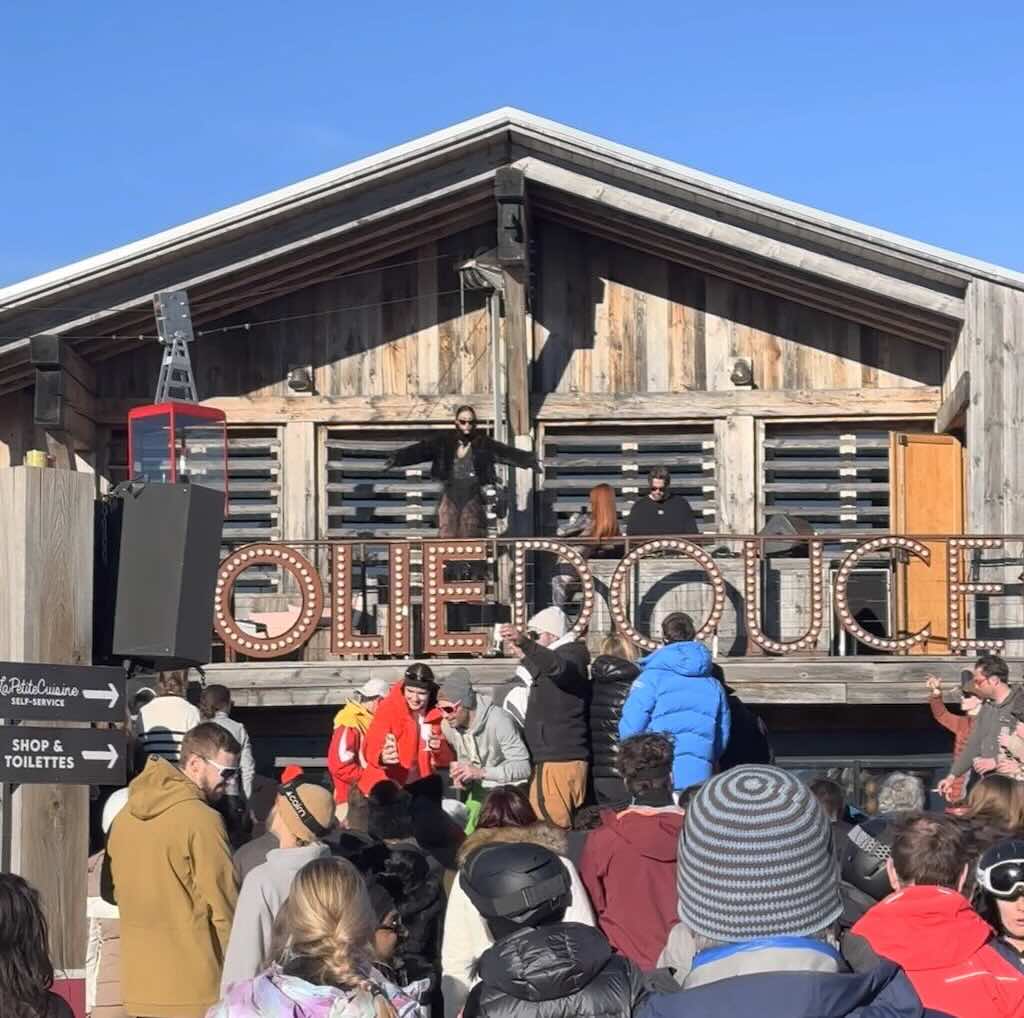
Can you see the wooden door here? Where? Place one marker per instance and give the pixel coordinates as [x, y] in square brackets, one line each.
[927, 497]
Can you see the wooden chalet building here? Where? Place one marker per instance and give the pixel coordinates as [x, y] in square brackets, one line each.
[610, 310]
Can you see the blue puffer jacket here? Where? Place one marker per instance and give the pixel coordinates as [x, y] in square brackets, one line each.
[675, 694]
[884, 992]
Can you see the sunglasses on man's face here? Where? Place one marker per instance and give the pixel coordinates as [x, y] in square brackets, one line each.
[226, 773]
[465, 421]
[448, 708]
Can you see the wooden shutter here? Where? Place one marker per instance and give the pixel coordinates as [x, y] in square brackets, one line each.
[364, 500]
[928, 498]
[836, 479]
[577, 458]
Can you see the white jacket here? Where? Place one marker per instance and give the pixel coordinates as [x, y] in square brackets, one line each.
[163, 723]
[466, 936]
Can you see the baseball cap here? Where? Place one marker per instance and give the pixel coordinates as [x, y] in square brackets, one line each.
[374, 688]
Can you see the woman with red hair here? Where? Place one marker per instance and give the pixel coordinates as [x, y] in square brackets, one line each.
[597, 523]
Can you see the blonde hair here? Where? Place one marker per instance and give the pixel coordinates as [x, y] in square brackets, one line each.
[616, 645]
[999, 800]
[328, 922]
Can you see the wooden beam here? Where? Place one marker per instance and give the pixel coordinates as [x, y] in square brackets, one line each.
[727, 200]
[337, 410]
[263, 240]
[768, 248]
[758, 680]
[952, 413]
[911, 401]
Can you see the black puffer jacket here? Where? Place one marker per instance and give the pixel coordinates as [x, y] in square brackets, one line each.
[560, 971]
[611, 678]
[557, 712]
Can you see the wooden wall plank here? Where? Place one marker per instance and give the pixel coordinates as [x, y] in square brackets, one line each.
[717, 334]
[427, 334]
[605, 296]
[46, 549]
[736, 474]
[657, 322]
[687, 329]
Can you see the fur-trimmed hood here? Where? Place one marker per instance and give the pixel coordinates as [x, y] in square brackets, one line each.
[545, 835]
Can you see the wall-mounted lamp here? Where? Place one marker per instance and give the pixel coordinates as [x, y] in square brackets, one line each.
[742, 374]
[300, 379]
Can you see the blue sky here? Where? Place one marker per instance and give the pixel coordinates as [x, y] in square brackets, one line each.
[122, 119]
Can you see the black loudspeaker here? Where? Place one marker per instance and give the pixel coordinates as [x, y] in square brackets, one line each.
[168, 554]
[785, 525]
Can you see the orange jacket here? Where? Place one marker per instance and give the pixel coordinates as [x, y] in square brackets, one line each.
[394, 717]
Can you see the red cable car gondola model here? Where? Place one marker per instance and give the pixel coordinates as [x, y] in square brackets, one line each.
[175, 439]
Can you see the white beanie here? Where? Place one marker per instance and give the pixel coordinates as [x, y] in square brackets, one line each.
[116, 802]
[551, 620]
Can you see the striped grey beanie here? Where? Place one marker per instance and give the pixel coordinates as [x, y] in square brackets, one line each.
[755, 858]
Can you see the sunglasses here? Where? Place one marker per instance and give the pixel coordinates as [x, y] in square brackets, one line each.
[1003, 879]
[465, 420]
[448, 709]
[226, 773]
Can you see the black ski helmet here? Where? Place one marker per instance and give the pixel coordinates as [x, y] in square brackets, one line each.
[520, 883]
[867, 851]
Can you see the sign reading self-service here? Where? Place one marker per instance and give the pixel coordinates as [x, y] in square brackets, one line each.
[41, 692]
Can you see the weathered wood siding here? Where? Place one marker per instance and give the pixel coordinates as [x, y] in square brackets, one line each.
[17, 432]
[993, 342]
[610, 319]
[393, 330]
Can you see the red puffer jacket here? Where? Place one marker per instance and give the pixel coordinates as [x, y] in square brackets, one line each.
[944, 947]
[411, 733]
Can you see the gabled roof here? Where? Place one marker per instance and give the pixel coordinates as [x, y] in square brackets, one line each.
[451, 169]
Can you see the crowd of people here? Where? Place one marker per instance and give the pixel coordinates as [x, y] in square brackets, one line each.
[618, 843]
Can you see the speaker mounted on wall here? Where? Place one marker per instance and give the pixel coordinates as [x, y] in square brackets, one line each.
[155, 592]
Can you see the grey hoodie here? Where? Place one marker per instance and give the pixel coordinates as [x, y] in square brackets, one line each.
[992, 719]
[494, 743]
[262, 895]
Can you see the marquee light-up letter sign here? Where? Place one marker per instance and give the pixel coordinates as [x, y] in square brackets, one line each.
[439, 592]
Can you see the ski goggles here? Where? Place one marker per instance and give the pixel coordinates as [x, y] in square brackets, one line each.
[1003, 878]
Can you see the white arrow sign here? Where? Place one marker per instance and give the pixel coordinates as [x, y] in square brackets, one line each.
[109, 754]
[109, 694]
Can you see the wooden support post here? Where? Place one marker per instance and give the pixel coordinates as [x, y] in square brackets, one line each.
[513, 249]
[735, 438]
[298, 481]
[46, 549]
[953, 412]
[518, 355]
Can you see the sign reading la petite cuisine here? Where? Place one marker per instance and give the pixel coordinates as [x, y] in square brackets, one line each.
[439, 592]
